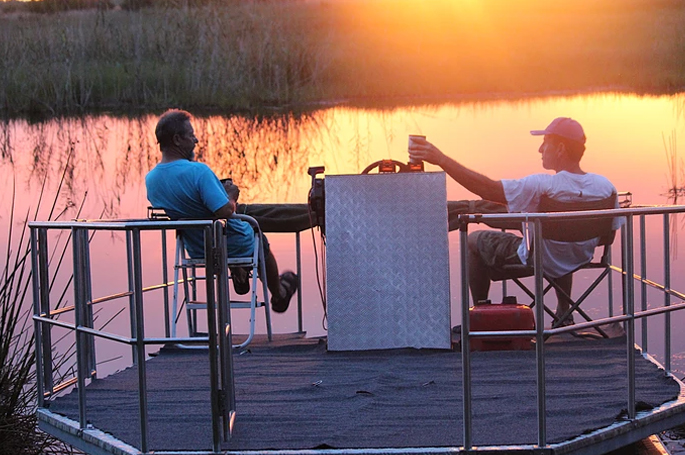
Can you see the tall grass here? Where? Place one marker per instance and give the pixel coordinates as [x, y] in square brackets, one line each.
[676, 170]
[252, 54]
[19, 433]
[232, 57]
[676, 184]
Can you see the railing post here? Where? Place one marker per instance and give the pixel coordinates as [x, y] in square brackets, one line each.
[45, 329]
[215, 395]
[88, 308]
[630, 311]
[465, 329]
[539, 337]
[80, 239]
[165, 290]
[643, 285]
[140, 338]
[610, 285]
[667, 289]
[225, 333]
[298, 250]
[131, 297]
[624, 276]
[37, 326]
[504, 281]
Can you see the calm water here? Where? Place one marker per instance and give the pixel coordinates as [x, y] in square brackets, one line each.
[106, 159]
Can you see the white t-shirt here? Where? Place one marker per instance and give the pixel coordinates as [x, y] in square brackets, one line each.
[523, 196]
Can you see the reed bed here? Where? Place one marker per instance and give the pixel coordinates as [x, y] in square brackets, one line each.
[235, 55]
[19, 433]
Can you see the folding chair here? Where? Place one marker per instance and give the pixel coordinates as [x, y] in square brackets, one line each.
[256, 266]
[569, 231]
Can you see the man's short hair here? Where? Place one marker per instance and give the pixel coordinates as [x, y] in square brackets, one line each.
[574, 149]
[172, 122]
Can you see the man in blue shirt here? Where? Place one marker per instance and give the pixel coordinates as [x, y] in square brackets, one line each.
[185, 188]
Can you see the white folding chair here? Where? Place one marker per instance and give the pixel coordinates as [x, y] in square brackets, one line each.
[256, 266]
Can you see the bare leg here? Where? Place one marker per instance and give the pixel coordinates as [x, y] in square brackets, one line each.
[479, 278]
[565, 283]
[273, 281]
[282, 287]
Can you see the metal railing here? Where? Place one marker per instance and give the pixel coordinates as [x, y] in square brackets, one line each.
[219, 323]
[218, 339]
[627, 317]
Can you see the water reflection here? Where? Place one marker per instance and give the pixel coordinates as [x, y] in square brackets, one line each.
[263, 155]
[104, 159]
[107, 157]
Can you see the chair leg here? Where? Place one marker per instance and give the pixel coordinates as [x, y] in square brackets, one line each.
[189, 313]
[253, 307]
[573, 306]
[174, 302]
[258, 270]
[530, 294]
[562, 288]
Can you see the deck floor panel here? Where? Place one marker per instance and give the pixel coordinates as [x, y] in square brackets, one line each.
[293, 394]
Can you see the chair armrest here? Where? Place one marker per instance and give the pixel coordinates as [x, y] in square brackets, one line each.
[248, 219]
[157, 214]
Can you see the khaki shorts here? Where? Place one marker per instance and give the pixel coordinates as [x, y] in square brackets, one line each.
[497, 248]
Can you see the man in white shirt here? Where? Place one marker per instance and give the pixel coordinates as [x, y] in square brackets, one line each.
[562, 149]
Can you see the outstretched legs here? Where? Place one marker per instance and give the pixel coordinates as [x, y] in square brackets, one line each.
[282, 287]
[479, 278]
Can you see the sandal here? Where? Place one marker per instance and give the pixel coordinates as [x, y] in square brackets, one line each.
[241, 280]
[289, 284]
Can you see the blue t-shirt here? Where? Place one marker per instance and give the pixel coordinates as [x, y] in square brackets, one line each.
[188, 189]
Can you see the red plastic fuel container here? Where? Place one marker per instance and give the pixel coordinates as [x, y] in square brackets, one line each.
[508, 315]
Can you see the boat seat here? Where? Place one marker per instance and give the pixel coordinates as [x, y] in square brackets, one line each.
[569, 230]
[188, 268]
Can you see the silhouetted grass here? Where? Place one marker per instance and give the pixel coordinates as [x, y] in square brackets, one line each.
[19, 433]
[234, 55]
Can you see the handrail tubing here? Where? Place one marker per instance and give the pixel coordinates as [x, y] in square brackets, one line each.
[582, 325]
[118, 295]
[44, 318]
[654, 210]
[628, 317]
[119, 338]
[626, 213]
[61, 386]
[149, 224]
[123, 225]
[651, 283]
[532, 216]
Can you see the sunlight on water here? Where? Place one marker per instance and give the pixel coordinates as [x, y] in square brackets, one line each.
[269, 157]
[107, 158]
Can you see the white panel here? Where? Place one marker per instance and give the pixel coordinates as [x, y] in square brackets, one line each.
[387, 261]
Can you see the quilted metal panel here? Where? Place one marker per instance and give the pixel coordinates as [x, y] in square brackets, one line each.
[387, 261]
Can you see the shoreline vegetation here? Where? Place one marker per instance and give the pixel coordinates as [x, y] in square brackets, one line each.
[19, 432]
[230, 55]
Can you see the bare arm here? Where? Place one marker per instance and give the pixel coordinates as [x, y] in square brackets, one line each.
[483, 186]
[226, 211]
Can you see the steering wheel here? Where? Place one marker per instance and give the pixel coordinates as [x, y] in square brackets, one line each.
[386, 166]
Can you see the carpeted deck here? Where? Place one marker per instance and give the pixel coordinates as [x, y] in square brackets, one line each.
[293, 394]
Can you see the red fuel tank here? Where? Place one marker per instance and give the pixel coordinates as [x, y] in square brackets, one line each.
[509, 315]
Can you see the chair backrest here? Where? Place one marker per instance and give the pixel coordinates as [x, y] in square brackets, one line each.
[578, 230]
